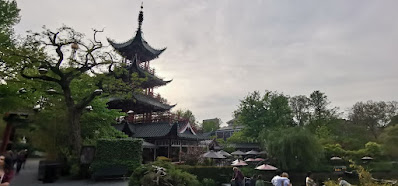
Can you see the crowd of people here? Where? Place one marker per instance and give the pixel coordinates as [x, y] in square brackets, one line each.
[280, 179]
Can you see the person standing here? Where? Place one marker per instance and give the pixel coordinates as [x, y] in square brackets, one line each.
[21, 158]
[309, 181]
[238, 177]
[285, 181]
[260, 181]
[6, 170]
[279, 179]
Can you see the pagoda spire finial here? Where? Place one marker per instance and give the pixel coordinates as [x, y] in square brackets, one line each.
[140, 17]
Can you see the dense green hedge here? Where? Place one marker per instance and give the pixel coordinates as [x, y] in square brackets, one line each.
[218, 174]
[118, 152]
[146, 174]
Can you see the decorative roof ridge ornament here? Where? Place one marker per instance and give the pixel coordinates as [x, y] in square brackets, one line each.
[140, 17]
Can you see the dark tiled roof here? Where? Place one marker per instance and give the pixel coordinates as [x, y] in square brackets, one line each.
[148, 130]
[155, 130]
[152, 80]
[140, 104]
[245, 145]
[136, 45]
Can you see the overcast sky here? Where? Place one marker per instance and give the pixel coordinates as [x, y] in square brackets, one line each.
[220, 50]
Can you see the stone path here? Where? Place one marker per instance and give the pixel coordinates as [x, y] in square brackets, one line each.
[28, 177]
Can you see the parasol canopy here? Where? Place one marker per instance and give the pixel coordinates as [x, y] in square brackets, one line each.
[266, 167]
[366, 158]
[239, 163]
[249, 160]
[262, 152]
[335, 158]
[259, 159]
[213, 155]
[252, 152]
[238, 152]
[224, 153]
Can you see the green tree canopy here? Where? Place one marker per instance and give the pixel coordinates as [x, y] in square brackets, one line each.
[294, 148]
[389, 137]
[257, 112]
[211, 125]
[373, 115]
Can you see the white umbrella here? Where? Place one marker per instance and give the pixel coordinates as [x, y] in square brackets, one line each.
[335, 158]
[250, 160]
[224, 153]
[263, 152]
[239, 163]
[266, 167]
[259, 159]
[213, 155]
[252, 152]
[367, 158]
[238, 152]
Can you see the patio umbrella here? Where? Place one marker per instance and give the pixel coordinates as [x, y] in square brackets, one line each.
[252, 152]
[224, 153]
[262, 152]
[259, 159]
[367, 158]
[239, 163]
[238, 152]
[335, 158]
[235, 161]
[266, 167]
[250, 160]
[213, 155]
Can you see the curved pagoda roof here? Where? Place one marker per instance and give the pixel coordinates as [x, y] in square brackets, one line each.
[152, 80]
[177, 130]
[137, 45]
[139, 104]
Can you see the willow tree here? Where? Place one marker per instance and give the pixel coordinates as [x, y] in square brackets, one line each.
[60, 58]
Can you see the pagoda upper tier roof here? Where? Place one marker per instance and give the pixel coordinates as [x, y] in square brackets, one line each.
[139, 104]
[152, 80]
[136, 46]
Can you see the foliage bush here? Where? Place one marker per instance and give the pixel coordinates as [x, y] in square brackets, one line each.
[146, 174]
[162, 158]
[218, 174]
[118, 152]
[365, 178]
[208, 182]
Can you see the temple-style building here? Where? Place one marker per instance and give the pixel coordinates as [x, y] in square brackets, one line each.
[149, 114]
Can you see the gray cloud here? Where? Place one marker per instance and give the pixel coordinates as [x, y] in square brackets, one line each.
[218, 51]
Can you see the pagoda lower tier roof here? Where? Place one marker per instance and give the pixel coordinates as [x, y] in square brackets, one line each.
[160, 130]
[152, 80]
[136, 46]
[139, 104]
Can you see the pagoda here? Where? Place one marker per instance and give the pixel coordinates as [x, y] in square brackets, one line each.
[149, 116]
[146, 106]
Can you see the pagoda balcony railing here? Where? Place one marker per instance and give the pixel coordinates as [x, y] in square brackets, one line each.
[153, 118]
[155, 96]
[147, 69]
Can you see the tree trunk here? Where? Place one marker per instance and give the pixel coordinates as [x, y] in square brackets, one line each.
[75, 131]
[74, 116]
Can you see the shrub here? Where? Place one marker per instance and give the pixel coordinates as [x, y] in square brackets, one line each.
[218, 174]
[162, 158]
[208, 182]
[146, 175]
[118, 152]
